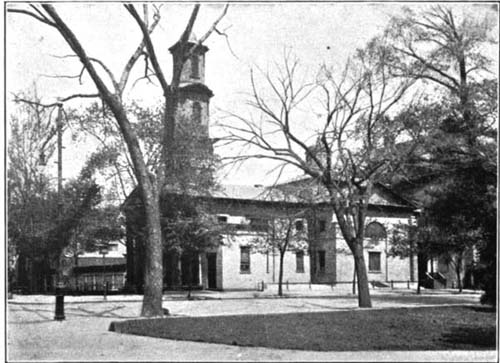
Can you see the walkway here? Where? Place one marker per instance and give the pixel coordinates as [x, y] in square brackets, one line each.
[34, 335]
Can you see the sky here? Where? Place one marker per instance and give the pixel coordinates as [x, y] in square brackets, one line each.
[257, 36]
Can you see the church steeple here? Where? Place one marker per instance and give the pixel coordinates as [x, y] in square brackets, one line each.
[194, 67]
[194, 95]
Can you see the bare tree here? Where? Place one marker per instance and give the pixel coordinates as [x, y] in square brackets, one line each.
[353, 143]
[286, 228]
[101, 76]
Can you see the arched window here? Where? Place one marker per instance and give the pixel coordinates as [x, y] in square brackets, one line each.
[197, 113]
[375, 232]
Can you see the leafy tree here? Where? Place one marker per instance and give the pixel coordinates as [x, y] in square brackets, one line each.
[37, 229]
[97, 229]
[111, 158]
[453, 212]
[40, 224]
[188, 230]
[458, 162]
[27, 186]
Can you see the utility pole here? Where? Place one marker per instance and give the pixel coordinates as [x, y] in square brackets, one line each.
[59, 314]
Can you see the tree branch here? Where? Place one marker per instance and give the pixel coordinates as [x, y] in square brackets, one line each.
[135, 56]
[149, 46]
[26, 12]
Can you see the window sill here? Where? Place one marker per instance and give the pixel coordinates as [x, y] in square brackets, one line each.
[245, 272]
[374, 272]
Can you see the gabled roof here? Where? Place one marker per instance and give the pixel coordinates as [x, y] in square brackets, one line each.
[382, 196]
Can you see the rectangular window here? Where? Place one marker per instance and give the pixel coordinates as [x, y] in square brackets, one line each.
[321, 261]
[299, 255]
[299, 225]
[196, 113]
[245, 260]
[374, 262]
[222, 219]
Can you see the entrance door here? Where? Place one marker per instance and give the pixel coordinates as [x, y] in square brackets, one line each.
[212, 270]
[190, 273]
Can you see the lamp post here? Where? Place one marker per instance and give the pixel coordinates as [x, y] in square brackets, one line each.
[103, 251]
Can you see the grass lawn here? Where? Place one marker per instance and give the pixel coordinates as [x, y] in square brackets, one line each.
[430, 328]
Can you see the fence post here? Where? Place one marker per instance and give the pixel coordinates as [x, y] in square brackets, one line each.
[287, 285]
[408, 283]
[392, 284]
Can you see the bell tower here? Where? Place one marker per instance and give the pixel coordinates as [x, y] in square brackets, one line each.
[194, 95]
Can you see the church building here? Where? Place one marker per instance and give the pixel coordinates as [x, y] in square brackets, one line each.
[244, 211]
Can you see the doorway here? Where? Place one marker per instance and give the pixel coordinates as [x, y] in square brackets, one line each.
[212, 270]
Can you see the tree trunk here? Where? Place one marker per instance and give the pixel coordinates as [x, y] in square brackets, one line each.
[354, 239]
[190, 275]
[364, 300]
[153, 271]
[354, 279]
[153, 268]
[280, 276]
[458, 272]
[418, 277]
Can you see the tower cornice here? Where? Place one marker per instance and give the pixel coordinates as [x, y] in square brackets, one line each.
[196, 87]
[202, 49]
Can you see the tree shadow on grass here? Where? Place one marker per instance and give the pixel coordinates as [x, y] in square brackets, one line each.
[105, 313]
[43, 313]
[475, 336]
[47, 314]
[483, 308]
